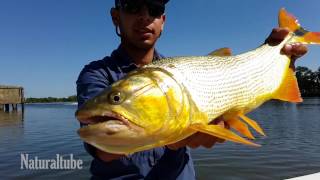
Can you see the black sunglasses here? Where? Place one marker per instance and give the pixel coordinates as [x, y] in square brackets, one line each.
[155, 8]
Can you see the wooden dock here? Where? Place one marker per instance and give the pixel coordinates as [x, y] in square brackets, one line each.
[11, 95]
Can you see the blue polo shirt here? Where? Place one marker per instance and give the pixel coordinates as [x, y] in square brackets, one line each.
[158, 163]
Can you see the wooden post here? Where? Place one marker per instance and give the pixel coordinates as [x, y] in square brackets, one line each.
[14, 107]
[6, 107]
[11, 96]
[22, 100]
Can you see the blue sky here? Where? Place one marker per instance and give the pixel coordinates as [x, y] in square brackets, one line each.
[45, 44]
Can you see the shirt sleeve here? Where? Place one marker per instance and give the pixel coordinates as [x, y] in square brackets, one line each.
[92, 80]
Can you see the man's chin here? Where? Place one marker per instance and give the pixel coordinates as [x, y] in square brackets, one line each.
[146, 44]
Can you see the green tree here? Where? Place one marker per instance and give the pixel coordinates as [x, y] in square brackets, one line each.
[51, 99]
[308, 81]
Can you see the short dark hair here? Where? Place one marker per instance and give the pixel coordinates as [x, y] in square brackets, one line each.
[116, 2]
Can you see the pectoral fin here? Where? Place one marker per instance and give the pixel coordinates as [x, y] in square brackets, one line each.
[220, 132]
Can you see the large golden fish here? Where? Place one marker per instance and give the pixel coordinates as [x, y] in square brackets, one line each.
[173, 98]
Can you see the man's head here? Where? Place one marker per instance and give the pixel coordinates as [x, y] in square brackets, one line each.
[140, 22]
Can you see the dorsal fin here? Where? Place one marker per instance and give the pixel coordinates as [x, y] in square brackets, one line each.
[221, 52]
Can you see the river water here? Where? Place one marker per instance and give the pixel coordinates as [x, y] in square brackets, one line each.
[291, 148]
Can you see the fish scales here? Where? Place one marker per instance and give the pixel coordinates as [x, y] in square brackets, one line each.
[171, 99]
[217, 84]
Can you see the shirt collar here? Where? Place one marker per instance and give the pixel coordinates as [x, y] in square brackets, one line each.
[122, 58]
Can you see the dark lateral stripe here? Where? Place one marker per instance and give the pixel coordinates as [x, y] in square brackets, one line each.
[300, 32]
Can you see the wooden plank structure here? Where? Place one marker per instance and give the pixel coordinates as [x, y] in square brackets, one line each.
[11, 95]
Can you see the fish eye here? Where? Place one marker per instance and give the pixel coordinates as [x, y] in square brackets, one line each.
[116, 97]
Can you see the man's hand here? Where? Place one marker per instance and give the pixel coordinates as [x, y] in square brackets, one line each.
[294, 51]
[200, 139]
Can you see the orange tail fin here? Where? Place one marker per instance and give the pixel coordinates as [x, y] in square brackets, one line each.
[287, 20]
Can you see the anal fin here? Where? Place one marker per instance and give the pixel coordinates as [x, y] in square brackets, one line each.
[220, 132]
[289, 89]
[240, 126]
[252, 123]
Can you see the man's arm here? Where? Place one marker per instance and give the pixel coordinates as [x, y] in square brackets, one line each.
[91, 81]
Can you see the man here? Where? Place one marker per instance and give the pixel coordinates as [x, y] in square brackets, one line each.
[139, 24]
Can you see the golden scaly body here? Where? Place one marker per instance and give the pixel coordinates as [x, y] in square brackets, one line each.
[173, 98]
[221, 84]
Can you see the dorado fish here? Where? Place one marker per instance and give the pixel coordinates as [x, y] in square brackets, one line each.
[171, 99]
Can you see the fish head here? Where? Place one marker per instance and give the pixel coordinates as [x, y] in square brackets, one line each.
[134, 113]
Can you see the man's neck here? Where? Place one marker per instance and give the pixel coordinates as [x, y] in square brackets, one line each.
[140, 56]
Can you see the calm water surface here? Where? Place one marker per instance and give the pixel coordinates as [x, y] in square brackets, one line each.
[291, 148]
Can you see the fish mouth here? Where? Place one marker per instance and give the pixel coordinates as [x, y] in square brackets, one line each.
[106, 117]
[105, 125]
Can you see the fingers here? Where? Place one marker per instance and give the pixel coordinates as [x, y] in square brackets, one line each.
[276, 36]
[295, 51]
[206, 140]
[223, 124]
[195, 141]
[179, 144]
[201, 139]
[107, 156]
[219, 120]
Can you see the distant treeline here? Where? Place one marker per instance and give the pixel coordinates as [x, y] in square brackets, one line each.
[51, 99]
[309, 81]
[309, 84]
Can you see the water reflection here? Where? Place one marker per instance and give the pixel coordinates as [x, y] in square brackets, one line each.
[290, 149]
[11, 126]
[11, 118]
